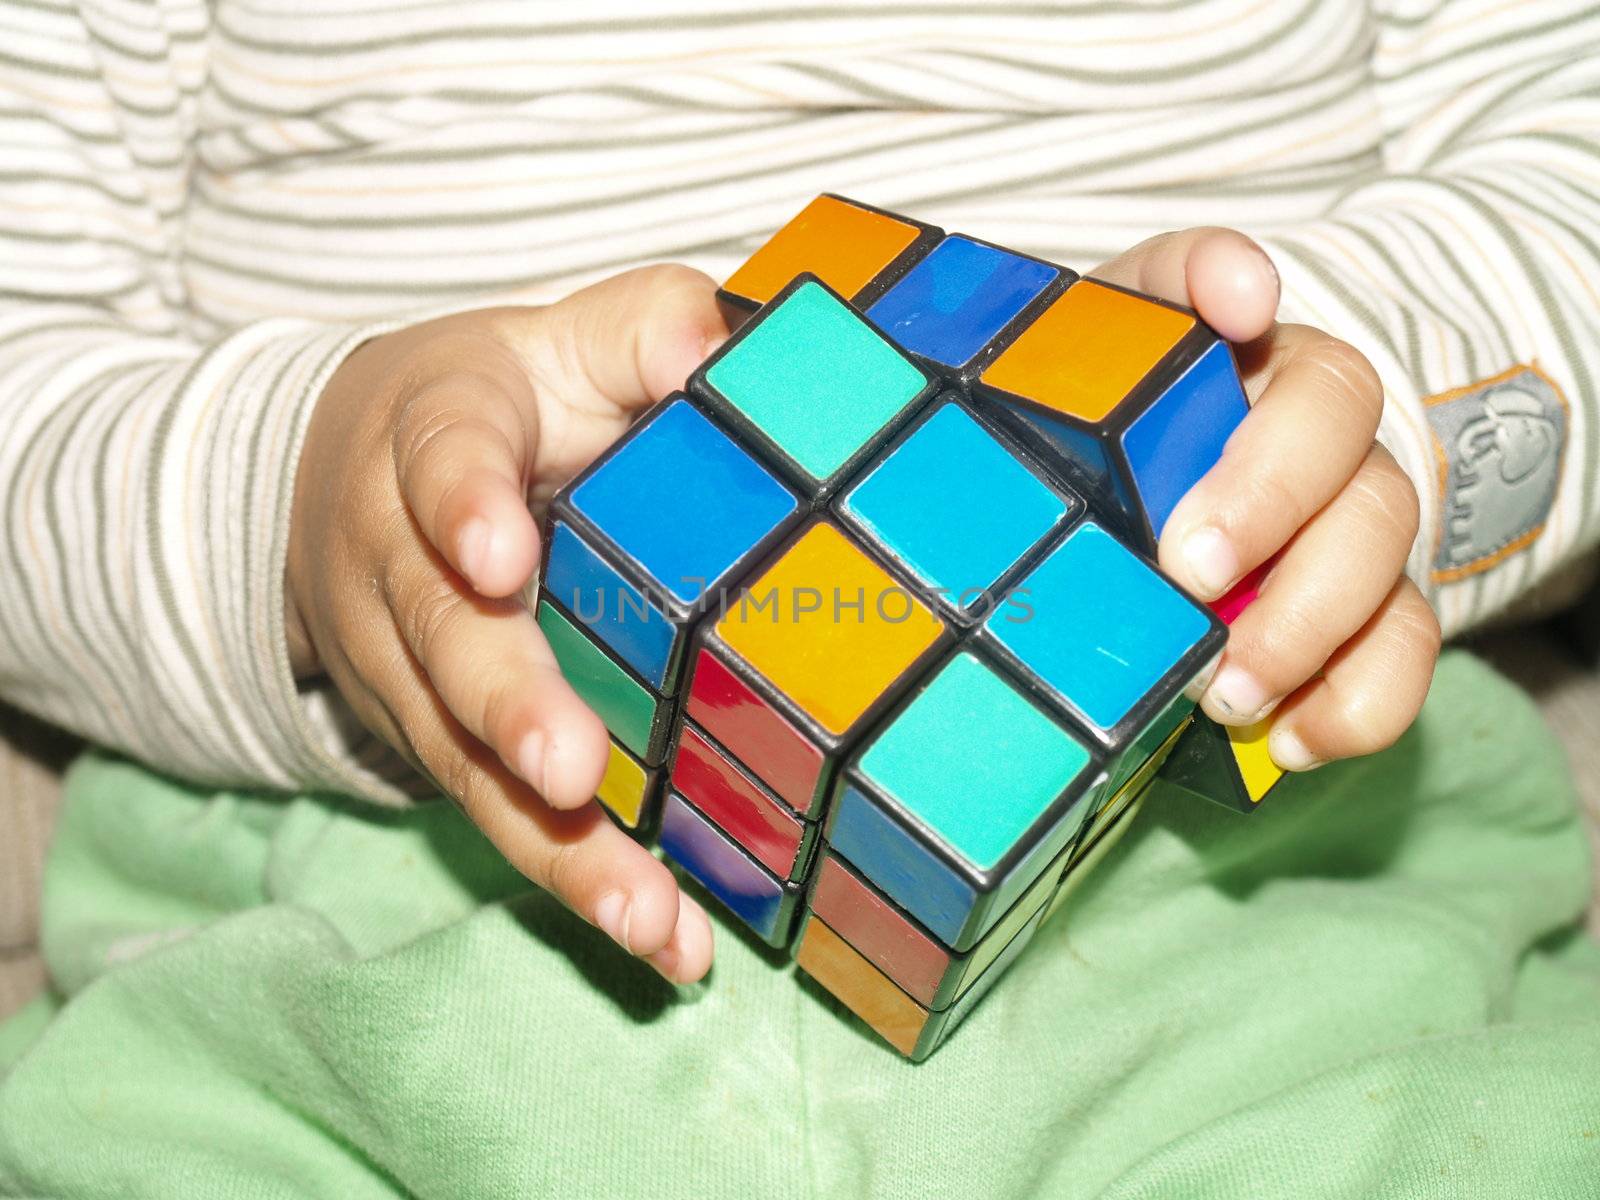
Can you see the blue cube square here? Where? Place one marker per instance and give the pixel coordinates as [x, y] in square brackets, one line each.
[956, 506]
[1107, 638]
[956, 301]
[1175, 441]
[648, 536]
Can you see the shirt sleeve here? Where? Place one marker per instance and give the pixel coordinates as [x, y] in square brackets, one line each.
[146, 462]
[1467, 267]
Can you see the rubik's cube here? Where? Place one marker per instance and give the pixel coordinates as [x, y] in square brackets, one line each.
[870, 609]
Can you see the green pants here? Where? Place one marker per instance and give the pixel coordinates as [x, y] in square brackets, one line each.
[1377, 987]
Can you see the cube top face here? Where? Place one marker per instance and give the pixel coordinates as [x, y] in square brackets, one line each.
[956, 507]
[974, 762]
[683, 501]
[828, 627]
[1084, 354]
[1106, 630]
[846, 245]
[954, 302]
[814, 382]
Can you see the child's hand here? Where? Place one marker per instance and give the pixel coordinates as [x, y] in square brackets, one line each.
[1340, 644]
[411, 540]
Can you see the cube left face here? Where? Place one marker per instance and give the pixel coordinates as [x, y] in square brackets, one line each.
[637, 717]
[648, 537]
[629, 791]
[726, 870]
[956, 803]
[813, 385]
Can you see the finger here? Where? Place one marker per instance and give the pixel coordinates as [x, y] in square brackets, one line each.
[577, 854]
[687, 955]
[1336, 572]
[1303, 441]
[462, 447]
[1370, 692]
[498, 677]
[607, 351]
[1220, 273]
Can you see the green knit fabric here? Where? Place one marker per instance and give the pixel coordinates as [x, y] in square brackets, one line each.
[1374, 988]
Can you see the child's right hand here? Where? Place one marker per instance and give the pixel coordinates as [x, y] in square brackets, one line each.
[411, 539]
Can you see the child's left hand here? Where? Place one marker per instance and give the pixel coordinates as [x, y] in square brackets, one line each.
[1340, 646]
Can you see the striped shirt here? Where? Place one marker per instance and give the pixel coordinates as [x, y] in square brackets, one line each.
[205, 206]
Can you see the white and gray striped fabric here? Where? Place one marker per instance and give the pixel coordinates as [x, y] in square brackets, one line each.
[204, 206]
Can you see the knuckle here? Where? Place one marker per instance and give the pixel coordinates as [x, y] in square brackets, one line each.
[1351, 375]
[677, 281]
[429, 618]
[1287, 647]
[1386, 495]
[1372, 720]
[1265, 497]
[558, 869]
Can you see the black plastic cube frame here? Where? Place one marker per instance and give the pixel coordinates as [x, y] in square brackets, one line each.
[983, 882]
[812, 491]
[736, 309]
[1029, 456]
[833, 746]
[677, 612]
[1117, 491]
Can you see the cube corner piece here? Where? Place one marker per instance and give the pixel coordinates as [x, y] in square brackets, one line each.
[1136, 396]
[857, 250]
[812, 386]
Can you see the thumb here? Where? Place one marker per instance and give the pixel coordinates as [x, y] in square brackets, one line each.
[602, 354]
[1222, 274]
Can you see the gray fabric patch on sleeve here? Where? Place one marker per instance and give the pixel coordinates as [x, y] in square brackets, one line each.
[1500, 450]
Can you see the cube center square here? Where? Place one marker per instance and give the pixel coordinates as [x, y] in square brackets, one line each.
[845, 244]
[956, 507]
[1088, 350]
[954, 805]
[954, 303]
[1107, 637]
[828, 628]
[813, 383]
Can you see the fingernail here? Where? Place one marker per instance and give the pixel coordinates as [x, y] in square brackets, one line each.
[1236, 694]
[1289, 752]
[1272, 267]
[666, 961]
[472, 546]
[1198, 685]
[1212, 561]
[531, 758]
[612, 914]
